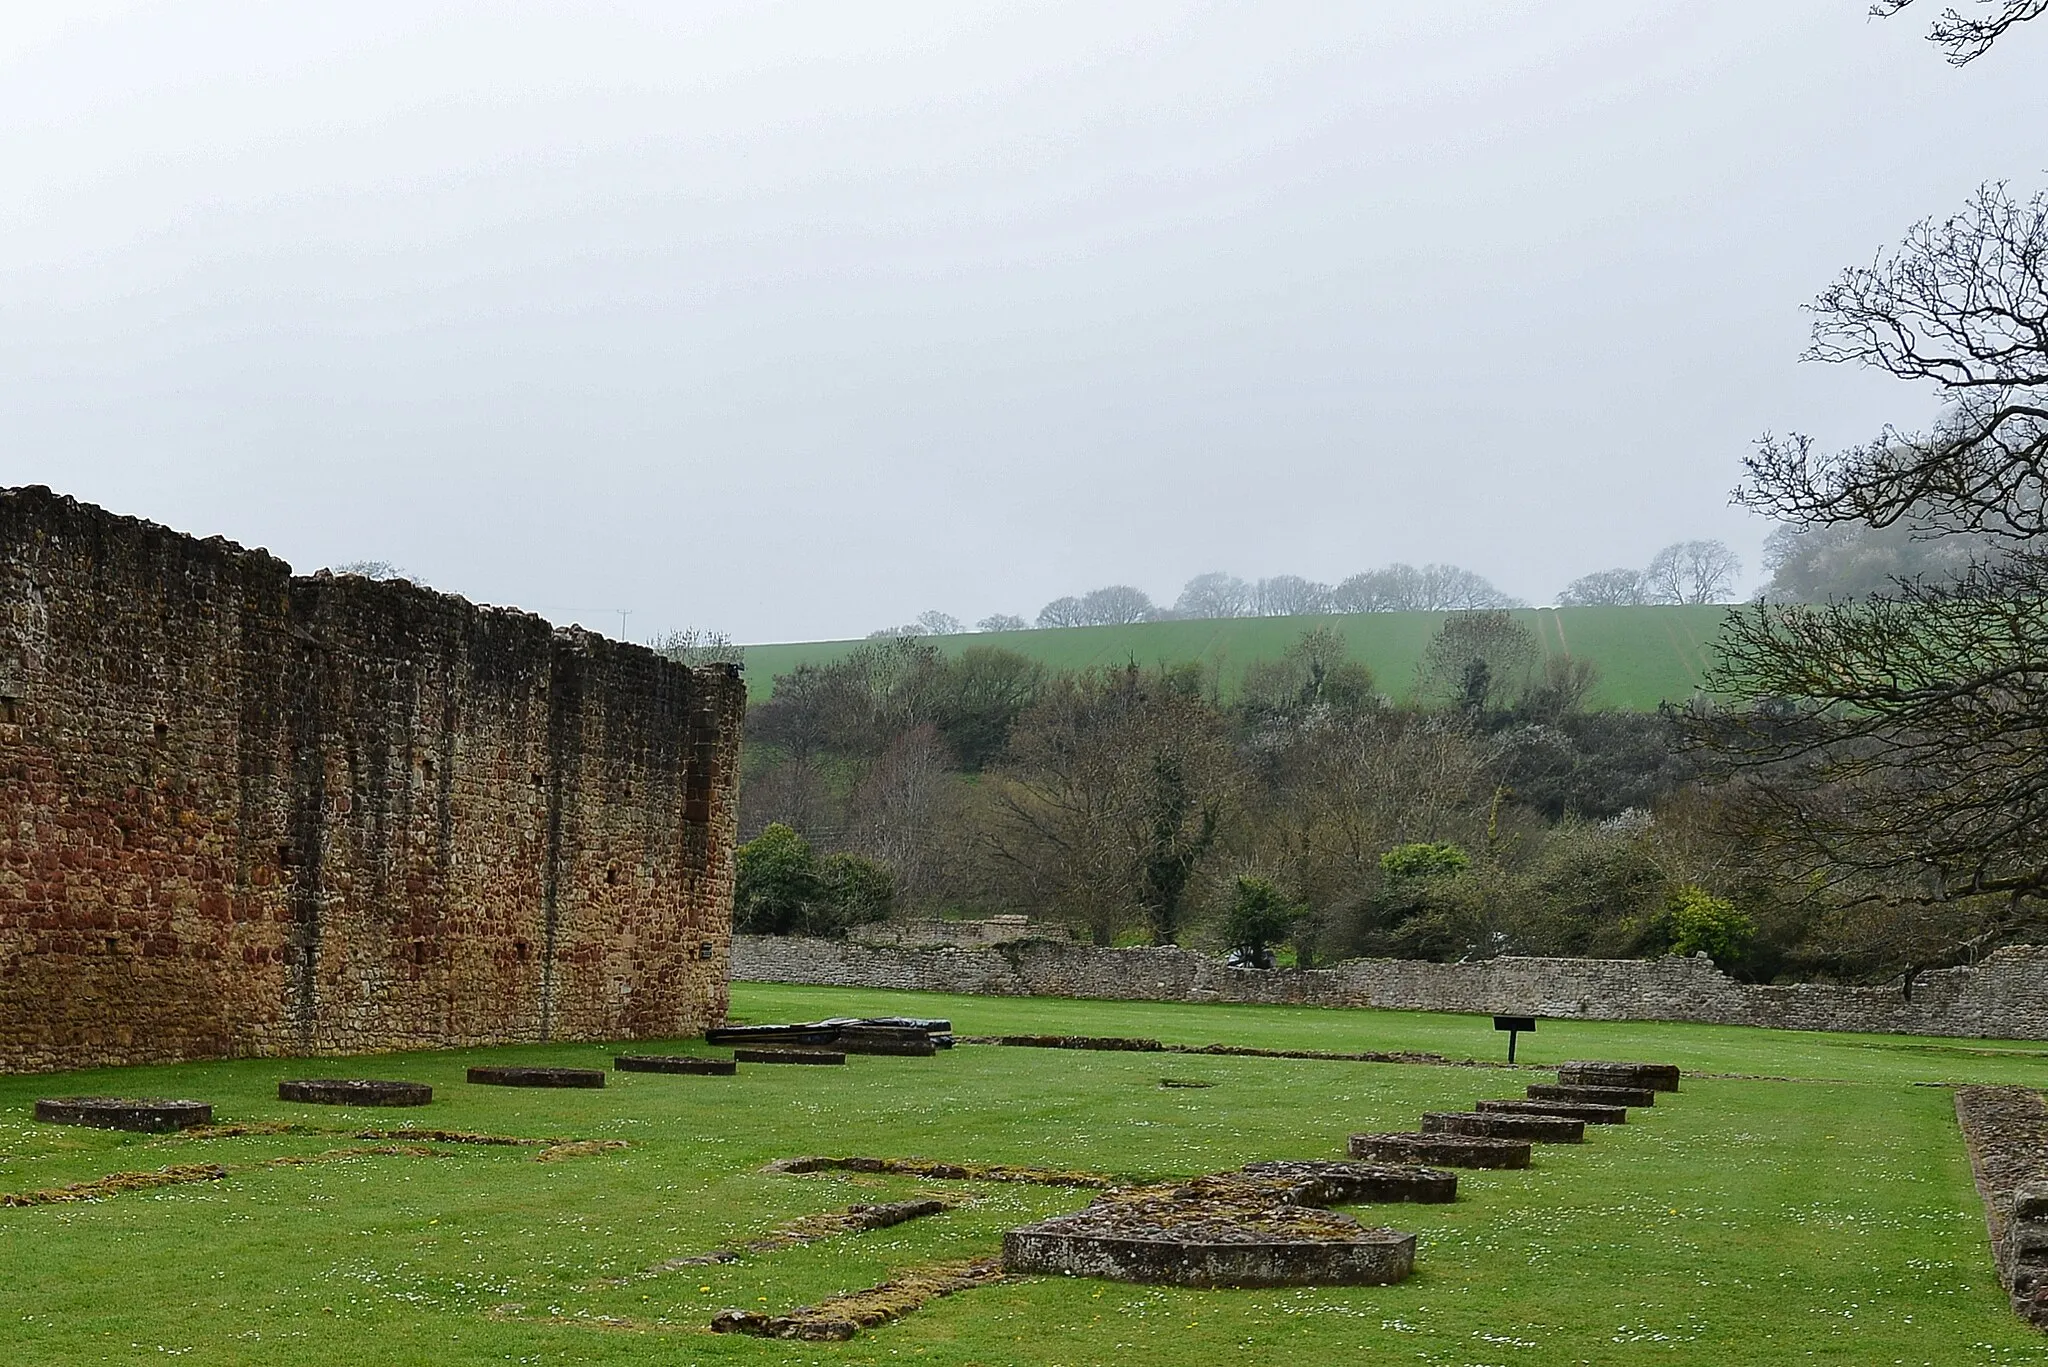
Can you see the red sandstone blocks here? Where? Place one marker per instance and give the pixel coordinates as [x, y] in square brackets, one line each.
[205, 862]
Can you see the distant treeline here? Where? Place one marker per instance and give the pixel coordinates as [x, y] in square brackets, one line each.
[1685, 572]
[1807, 565]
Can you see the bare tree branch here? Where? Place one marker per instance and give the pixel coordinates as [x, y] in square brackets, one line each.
[1962, 305]
[1968, 39]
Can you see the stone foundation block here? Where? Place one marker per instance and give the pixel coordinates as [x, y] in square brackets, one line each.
[1542, 1129]
[1648, 1077]
[538, 1077]
[891, 1043]
[1445, 1150]
[336, 1091]
[675, 1063]
[1598, 1096]
[144, 1115]
[1576, 1110]
[1331, 1182]
[1229, 1229]
[788, 1056]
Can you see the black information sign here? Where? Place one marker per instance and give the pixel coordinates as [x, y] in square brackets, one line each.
[1514, 1025]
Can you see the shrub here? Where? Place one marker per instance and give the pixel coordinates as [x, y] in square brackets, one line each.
[1423, 859]
[854, 890]
[782, 888]
[1260, 917]
[775, 882]
[1695, 920]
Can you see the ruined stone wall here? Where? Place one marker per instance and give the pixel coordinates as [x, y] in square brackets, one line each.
[932, 932]
[2004, 997]
[247, 813]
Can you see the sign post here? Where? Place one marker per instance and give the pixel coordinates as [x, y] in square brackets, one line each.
[1514, 1025]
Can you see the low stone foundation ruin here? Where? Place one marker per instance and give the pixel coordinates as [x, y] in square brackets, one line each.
[675, 1063]
[1229, 1229]
[1443, 1150]
[1596, 1096]
[1641, 1077]
[142, 1115]
[2006, 1132]
[331, 1091]
[1538, 1129]
[537, 1077]
[1576, 1110]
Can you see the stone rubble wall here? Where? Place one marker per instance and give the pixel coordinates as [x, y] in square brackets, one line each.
[247, 813]
[933, 932]
[2003, 997]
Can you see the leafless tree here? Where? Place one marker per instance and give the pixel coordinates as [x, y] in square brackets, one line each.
[1479, 660]
[896, 809]
[1607, 588]
[1111, 798]
[1559, 688]
[1962, 306]
[1345, 789]
[372, 569]
[1316, 676]
[1214, 595]
[1854, 559]
[1117, 605]
[1897, 749]
[1290, 595]
[1002, 621]
[1113, 605]
[1967, 39]
[1894, 750]
[693, 647]
[1692, 572]
[1404, 588]
[1062, 612]
[936, 623]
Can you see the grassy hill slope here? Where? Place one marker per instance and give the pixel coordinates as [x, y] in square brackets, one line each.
[1645, 655]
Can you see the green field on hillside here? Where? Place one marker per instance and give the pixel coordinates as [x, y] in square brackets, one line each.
[1645, 655]
[1810, 1204]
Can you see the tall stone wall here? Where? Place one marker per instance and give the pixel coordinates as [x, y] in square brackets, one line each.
[2004, 997]
[243, 812]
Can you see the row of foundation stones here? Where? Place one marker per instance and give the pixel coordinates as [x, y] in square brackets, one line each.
[821, 1042]
[1268, 1224]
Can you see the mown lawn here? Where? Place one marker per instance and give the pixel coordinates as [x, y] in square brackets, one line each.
[1819, 1210]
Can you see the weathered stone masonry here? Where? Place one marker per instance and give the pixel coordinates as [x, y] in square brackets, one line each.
[247, 813]
[2004, 997]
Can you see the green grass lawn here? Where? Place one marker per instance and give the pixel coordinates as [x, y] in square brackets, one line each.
[1645, 655]
[1818, 1210]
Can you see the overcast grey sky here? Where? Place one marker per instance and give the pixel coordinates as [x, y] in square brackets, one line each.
[797, 319]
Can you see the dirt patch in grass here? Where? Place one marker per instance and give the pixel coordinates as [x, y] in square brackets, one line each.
[116, 1184]
[551, 1149]
[578, 1148]
[807, 1229]
[180, 1174]
[841, 1317]
[945, 1172]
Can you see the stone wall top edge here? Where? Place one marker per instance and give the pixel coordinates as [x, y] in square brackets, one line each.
[39, 504]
